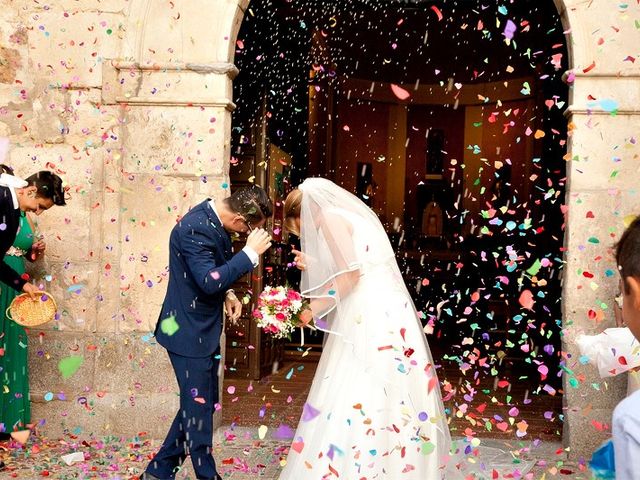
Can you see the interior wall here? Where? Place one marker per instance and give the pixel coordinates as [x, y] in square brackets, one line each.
[362, 135]
[420, 119]
[504, 141]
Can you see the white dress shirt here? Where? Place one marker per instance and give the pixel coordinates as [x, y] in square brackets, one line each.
[12, 182]
[626, 438]
[251, 253]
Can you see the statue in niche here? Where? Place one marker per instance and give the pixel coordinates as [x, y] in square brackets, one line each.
[432, 222]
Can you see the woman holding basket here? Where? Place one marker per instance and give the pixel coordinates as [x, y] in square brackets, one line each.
[42, 191]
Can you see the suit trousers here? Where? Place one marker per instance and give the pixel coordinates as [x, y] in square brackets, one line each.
[191, 432]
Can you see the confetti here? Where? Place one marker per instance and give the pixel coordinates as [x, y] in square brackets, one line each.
[69, 366]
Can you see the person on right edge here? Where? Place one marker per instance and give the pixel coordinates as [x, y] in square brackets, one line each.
[626, 416]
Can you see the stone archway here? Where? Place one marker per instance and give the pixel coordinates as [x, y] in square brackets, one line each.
[593, 186]
[172, 86]
[592, 74]
[167, 84]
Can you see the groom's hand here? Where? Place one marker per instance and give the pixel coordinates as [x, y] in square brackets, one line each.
[232, 307]
[259, 240]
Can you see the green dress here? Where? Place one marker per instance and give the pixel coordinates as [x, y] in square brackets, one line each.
[15, 409]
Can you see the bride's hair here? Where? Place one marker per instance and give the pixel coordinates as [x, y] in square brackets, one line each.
[292, 207]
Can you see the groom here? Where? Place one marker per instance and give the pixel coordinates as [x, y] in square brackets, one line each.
[202, 267]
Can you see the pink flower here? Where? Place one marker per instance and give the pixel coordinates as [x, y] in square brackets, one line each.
[272, 329]
[293, 295]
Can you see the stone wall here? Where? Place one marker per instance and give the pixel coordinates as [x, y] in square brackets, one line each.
[130, 101]
[602, 169]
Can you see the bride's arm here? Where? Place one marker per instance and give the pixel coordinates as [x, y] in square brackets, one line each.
[338, 233]
[335, 291]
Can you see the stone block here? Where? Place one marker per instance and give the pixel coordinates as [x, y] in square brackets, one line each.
[15, 54]
[605, 152]
[176, 141]
[67, 232]
[78, 167]
[98, 7]
[111, 414]
[144, 252]
[171, 83]
[68, 48]
[122, 376]
[134, 364]
[595, 221]
[89, 124]
[585, 430]
[184, 31]
[75, 288]
[606, 49]
[58, 417]
[593, 391]
[612, 96]
[47, 349]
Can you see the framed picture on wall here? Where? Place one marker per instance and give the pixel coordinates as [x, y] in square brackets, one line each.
[435, 154]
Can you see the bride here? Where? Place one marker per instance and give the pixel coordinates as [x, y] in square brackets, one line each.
[374, 410]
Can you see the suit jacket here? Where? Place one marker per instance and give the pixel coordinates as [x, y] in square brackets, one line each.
[9, 224]
[202, 267]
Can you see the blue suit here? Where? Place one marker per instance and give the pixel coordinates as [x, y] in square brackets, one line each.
[202, 267]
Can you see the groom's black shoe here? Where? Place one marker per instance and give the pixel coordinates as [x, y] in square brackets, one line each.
[2, 465]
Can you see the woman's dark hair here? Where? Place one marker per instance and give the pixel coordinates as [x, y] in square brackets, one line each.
[48, 185]
[6, 169]
[628, 252]
[252, 203]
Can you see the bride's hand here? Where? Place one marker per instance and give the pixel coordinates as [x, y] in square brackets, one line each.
[306, 316]
[299, 259]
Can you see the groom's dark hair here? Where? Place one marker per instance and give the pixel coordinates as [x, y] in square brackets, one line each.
[252, 203]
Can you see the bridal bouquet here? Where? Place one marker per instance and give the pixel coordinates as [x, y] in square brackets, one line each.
[278, 312]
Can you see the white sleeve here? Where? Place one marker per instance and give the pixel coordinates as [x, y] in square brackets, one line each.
[252, 254]
[626, 438]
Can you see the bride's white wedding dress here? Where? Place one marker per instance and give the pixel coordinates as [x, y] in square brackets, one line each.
[374, 410]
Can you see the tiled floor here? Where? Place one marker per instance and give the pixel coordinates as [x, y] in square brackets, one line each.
[240, 456]
[245, 451]
[277, 400]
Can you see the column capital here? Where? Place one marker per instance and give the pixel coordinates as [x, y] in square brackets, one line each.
[168, 83]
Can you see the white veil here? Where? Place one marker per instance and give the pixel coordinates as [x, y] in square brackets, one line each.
[328, 216]
[348, 254]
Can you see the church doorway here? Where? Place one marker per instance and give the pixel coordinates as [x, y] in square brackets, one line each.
[448, 122]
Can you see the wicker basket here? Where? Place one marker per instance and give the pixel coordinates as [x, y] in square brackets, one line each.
[29, 313]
